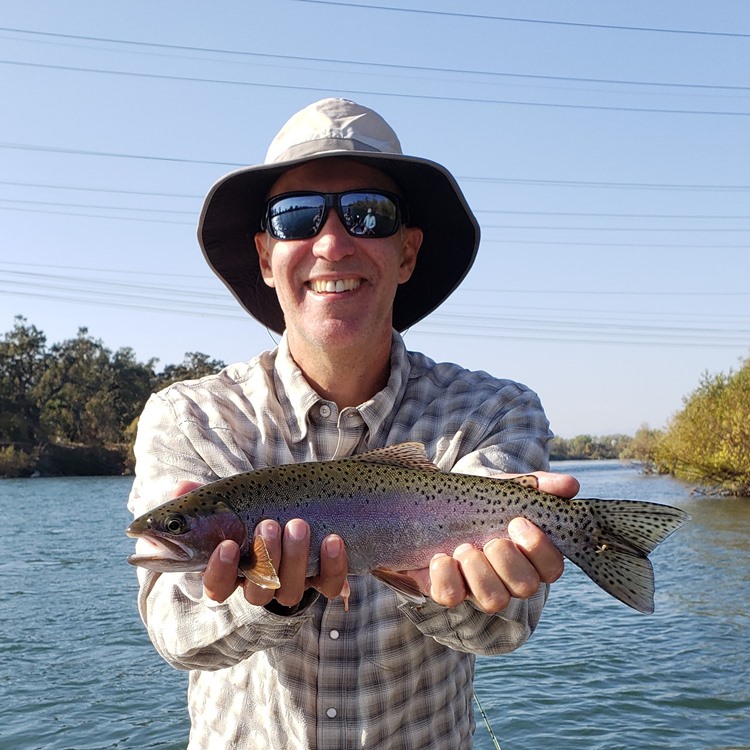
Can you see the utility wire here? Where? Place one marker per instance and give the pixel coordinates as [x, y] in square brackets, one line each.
[393, 94]
[377, 64]
[504, 212]
[511, 19]
[494, 180]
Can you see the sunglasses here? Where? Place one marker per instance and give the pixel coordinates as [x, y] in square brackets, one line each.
[364, 213]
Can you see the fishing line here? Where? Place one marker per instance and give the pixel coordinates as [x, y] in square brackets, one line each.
[487, 722]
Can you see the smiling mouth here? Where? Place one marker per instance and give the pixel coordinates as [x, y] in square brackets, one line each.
[334, 286]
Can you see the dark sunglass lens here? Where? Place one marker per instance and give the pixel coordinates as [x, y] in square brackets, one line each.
[369, 214]
[295, 217]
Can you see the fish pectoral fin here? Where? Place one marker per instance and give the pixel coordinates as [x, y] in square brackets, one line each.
[401, 583]
[526, 480]
[258, 566]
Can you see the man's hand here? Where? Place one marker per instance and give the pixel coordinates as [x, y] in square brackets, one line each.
[504, 567]
[289, 551]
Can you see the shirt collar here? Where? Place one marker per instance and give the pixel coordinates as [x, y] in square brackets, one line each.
[297, 397]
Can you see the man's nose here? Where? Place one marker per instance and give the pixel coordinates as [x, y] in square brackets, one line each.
[333, 242]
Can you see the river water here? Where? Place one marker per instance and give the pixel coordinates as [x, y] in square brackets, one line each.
[77, 671]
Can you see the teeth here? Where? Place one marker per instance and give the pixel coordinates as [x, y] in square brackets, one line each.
[329, 286]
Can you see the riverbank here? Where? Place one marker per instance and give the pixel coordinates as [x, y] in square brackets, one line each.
[56, 460]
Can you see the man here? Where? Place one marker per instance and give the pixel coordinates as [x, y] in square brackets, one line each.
[292, 668]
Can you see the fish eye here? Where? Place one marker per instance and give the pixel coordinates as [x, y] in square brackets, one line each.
[176, 523]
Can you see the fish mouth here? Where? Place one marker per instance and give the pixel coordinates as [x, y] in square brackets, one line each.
[161, 554]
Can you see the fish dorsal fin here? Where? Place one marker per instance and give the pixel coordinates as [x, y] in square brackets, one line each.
[405, 455]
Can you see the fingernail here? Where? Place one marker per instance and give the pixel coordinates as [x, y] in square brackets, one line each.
[333, 547]
[297, 530]
[228, 553]
[269, 530]
[520, 528]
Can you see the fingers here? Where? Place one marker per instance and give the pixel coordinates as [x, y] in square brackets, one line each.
[538, 549]
[220, 575]
[490, 577]
[562, 485]
[184, 486]
[293, 570]
[271, 533]
[290, 551]
[446, 584]
[333, 567]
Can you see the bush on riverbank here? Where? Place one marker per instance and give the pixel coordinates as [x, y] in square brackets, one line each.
[70, 408]
[709, 440]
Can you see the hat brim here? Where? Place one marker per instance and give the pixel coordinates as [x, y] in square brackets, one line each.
[232, 213]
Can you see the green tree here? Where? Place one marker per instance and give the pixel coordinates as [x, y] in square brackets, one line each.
[133, 383]
[643, 446]
[23, 360]
[91, 396]
[709, 440]
[195, 365]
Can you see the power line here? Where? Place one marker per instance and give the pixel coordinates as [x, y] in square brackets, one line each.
[505, 212]
[636, 245]
[114, 154]
[376, 64]
[192, 213]
[495, 180]
[510, 19]
[361, 92]
[602, 184]
[597, 215]
[103, 208]
[43, 272]
[47, 186]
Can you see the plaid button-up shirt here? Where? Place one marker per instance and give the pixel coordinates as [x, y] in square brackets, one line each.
[385, 674]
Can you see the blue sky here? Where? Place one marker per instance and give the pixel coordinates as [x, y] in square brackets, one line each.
[603, 147]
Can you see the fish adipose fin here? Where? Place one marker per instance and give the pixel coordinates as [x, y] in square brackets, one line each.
[405, 455]
[258, 566]
[626, 533]
[400, 583]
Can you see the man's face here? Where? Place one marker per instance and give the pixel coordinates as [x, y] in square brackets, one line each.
[337, 290]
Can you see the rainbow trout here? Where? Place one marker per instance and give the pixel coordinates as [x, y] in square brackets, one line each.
[395, 510]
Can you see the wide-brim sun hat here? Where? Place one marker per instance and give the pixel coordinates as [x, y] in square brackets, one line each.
[340, 129]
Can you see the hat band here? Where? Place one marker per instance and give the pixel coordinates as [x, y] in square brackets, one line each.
[322, 147]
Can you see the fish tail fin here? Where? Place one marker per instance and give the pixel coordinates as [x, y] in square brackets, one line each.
[622, 535]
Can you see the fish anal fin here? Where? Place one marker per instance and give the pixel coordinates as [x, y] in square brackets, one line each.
[401, 583]
[405, 455]
[346, 592]
[258, 566]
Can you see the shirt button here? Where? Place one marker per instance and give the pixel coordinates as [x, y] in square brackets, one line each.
[325, 411]
[334, 635]
[331, 713]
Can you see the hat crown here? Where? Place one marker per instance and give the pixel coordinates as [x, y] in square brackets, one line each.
[329, 126]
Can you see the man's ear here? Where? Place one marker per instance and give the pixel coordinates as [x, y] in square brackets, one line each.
[412, 242]
[263, 247]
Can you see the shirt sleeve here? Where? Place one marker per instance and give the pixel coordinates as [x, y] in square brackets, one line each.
[465, 628]
[189, 630]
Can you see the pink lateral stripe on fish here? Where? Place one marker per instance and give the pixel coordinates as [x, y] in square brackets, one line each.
[395, 509]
